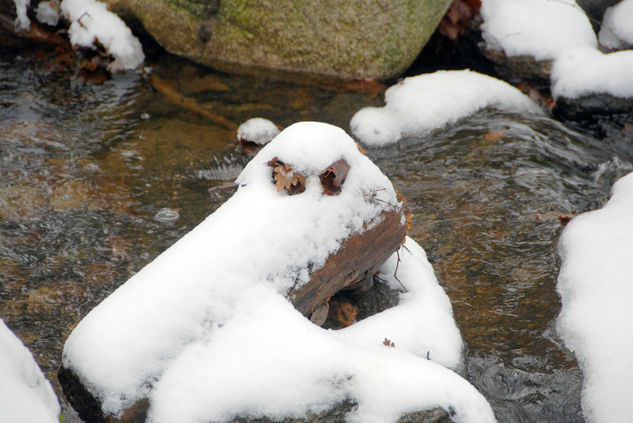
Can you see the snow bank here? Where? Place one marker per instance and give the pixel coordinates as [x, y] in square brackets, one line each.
[425, 102]
[91, 21]
[205, 332]
[25, 394]
[542, 29]
[585, 71]
[616, 31]
[596, 287]
[559, 30]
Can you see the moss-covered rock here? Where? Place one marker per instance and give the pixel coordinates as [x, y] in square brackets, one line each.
[348, 39]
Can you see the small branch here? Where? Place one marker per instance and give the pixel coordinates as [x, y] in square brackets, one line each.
[181, 100]
[223, 187]
[395, 273]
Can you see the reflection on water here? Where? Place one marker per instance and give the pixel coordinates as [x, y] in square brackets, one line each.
[95, 181]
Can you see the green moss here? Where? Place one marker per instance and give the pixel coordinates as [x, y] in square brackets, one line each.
[201, 9]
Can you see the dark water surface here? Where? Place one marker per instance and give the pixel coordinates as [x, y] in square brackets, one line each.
[95, 181]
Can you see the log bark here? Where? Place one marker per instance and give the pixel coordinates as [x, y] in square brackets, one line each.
[352, 267]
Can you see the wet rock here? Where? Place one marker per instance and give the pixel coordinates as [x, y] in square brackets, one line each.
[592, 107]
[520, 69]
[375, 39]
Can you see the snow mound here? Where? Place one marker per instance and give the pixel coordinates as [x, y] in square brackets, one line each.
[596, 287]
[616, 31]
[257, 130]
[584, 71]
[542, 29]
[425, 102]
[205, 332]
[560, 31]
[91, 21]
[25, 394]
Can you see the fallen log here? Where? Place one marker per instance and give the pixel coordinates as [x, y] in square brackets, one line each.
[172, 301]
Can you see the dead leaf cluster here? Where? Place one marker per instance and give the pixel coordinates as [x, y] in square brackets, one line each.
[294, 182]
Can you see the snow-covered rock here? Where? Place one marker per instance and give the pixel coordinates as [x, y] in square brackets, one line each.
[90, 22]
[205, 333]
[420, 104]
[258, 131]
[559, 31]
[542, 29]
[596, 287]
[25, 394]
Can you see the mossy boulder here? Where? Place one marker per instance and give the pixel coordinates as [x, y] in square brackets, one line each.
[349, 39]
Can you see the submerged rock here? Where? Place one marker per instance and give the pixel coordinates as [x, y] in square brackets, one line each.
[374, 39]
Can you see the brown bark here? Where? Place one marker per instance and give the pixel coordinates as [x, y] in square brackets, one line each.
[352, 266]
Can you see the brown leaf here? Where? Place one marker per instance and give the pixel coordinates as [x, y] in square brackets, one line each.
[333, 177]
[286, 178]
[388, 343]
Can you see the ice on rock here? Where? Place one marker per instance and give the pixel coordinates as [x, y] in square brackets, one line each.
[25, 394]
[206, 334]
[596, 287]
[422, 103]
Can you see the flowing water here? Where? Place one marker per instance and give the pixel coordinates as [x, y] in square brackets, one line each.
[96, 181]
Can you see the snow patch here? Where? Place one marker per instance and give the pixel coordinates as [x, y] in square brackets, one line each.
[25, 394]
[205, 332]
[92, 22]
[257, 130]
[585, 71]
[22, 21]
[596, 287]
[542, 29]
[47, 12]
[616, 31]
[419, 104]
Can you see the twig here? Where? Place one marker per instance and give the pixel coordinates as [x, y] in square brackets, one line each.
[223, 187]
[395, 276]
[185, 102]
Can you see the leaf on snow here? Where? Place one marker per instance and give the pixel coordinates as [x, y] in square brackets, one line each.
[333, 177]
[286, 178]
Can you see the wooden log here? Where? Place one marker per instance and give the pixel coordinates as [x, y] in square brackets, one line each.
[352, 266]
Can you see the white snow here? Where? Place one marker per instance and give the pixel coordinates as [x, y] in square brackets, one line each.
[584, 71]
[559, 30]
[91, 21]
[419, 104]
[25, 394]
[596, 287]
[542, 29]
[257, 130]
[616, 31]
[47, 12]
[205, 332]
[22, 21]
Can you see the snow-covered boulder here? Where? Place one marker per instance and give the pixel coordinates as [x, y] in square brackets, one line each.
[26, 396]
[557, 40]
[596, 288]
[205, 332]
[420, 104]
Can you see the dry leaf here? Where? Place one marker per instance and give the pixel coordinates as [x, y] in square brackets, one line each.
[388, 343]
[286, 178]
[333, 177]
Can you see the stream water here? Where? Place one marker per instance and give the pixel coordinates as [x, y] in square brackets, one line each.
[96, 181]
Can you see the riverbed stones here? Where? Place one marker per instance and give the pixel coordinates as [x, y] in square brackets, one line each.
[372, 39]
